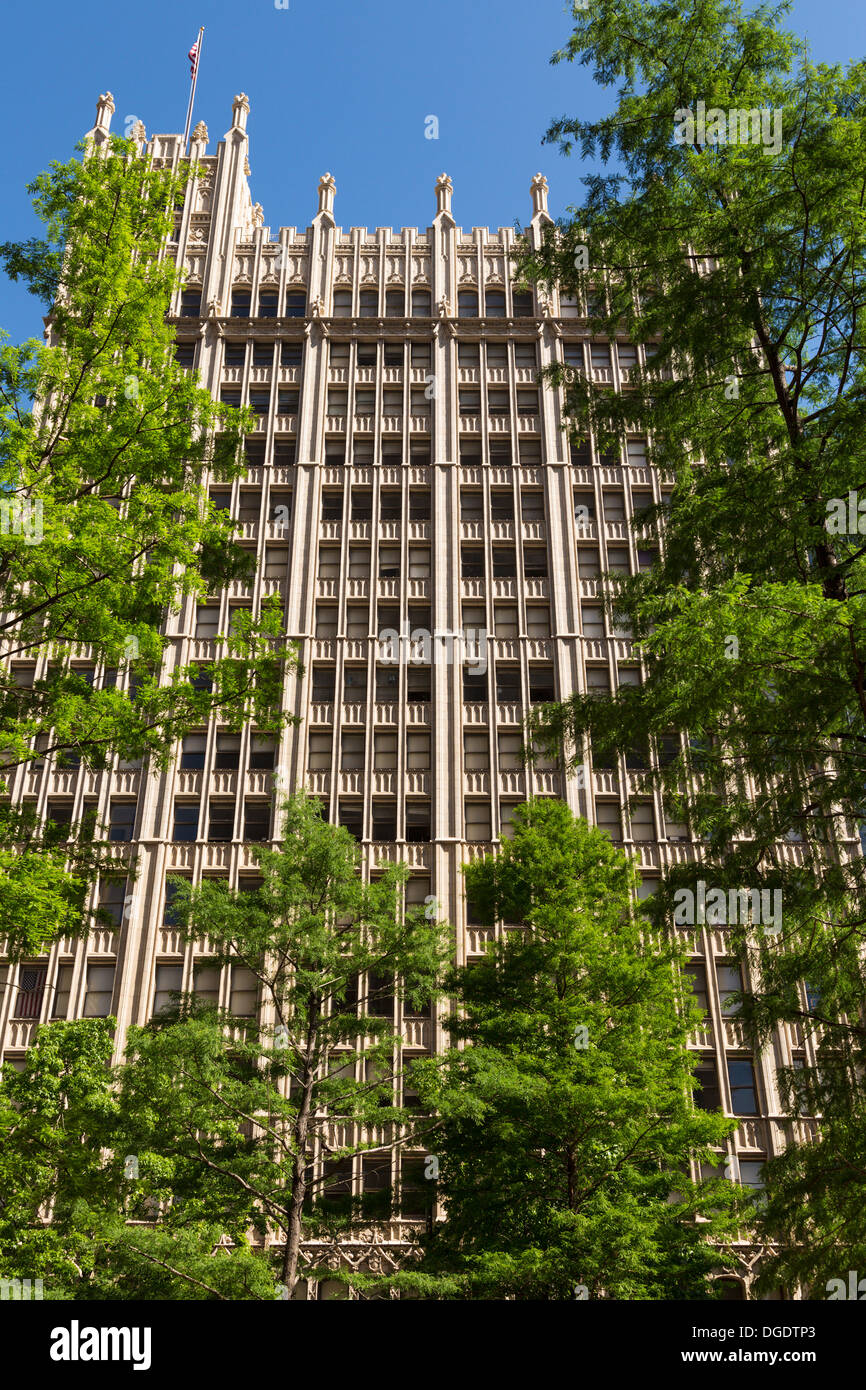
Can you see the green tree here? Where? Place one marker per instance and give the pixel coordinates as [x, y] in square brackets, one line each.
[207, 1137]
[67, 1132]
[107, 445]
[567, 1118]
[331, 954]
[740, 268]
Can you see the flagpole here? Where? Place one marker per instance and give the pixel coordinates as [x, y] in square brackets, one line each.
[192, 89]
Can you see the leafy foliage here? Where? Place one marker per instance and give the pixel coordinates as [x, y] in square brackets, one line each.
[106, 447]
[740, 267]
[567, 1117]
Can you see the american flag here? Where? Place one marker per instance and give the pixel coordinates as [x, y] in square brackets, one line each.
[193, 58]
[30, 990]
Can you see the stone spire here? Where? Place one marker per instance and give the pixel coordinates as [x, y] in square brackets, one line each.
[538, 189]
[327, 190]
[104, 112]
[240, 111]
[444, 189]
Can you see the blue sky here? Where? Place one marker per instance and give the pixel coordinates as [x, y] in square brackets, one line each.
[337, 85]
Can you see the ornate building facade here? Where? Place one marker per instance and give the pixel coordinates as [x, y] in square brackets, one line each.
[409, 476]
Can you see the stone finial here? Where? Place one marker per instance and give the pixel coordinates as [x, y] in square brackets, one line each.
[327, 190]
[240, 111]
[104, 111]
[538, 189]
[199, 134]
[138, 133]
[444, 189]
[258, 215]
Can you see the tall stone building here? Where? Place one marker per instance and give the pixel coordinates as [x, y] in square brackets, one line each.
[408, 476]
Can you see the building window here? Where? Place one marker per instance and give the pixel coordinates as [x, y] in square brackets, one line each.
[296, 304]
[417, 822]
[323, 684]
[368, 304]
[535, 563]
[190, 304]
[607, 817]
[62, 992]
[193, 751]
[384, 752]
[395, 304]
[471, 562]
[100, 986]
[257, 820]
[121, 820]
[352, 752]
[494, 304]
[418, 684]
[744, 1095]
[730, 983]
[541, 685]
[354, 684]
[112, 896]
[263, 751]
[319, 756]
[696, 975]
[476, 753]
[228, 752]
[508, 685]
[510, 752]
[31, 988]
[268, 304]
[384, 820]
[467, 304]
[417, 752]
[350, 815]
[342, 304]
[707, 1093]
[167, 982]
[243, 1002]
[474, 687]
[537, 621]
[524, 307]
[421, 304]
[477, 819]
[169, 915]
[241, 304]
[221, 822]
